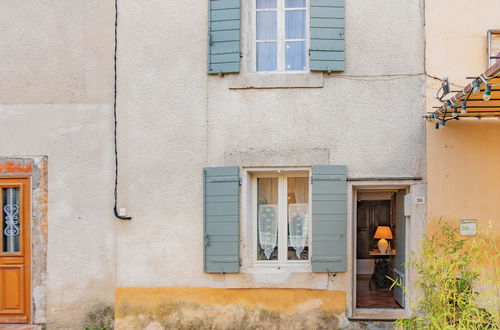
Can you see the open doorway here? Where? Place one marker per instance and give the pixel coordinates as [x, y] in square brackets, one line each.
[380, 248]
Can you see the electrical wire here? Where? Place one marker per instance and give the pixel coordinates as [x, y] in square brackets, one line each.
[114, 115]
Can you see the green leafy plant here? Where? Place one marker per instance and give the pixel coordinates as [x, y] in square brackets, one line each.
[458, 282]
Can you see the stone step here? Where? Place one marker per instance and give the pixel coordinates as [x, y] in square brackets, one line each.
[20, 327]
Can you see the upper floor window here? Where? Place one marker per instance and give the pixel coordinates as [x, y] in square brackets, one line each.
[493, 47]
[281, 35]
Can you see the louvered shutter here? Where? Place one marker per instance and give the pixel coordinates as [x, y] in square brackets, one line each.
[327, 35]
[400, 245]
[329, 218]
[223, 36]
[221, 220]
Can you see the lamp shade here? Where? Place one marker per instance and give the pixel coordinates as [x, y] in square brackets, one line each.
[383, 232]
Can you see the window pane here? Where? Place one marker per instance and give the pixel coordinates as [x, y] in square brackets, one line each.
[266, 25]
[298, 218]
[267, 219]
[295, 3]
[11, 228]
[295, 54]
[295, 24]
[266, 56]
[495, 48]
[266, 4]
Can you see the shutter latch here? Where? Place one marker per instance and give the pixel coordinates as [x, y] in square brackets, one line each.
[210, 41]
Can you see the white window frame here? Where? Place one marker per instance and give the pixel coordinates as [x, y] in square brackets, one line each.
[280, 64]
[282, 264]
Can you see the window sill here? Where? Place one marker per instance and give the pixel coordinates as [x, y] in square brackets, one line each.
[379, 314]
[274, 269]
[275, 80]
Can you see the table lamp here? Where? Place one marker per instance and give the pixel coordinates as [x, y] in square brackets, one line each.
[383, 233]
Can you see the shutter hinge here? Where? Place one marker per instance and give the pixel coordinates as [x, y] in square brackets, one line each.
[240, 261]
[239, 180]
[206, 240]
[241, 53]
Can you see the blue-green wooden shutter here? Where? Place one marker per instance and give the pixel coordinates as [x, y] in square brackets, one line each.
[327, 35]
[221, 219]
[329, 218]
[400, 245]
[223, 36]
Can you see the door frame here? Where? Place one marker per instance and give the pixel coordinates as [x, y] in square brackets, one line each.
[25, 182]
[375, 313]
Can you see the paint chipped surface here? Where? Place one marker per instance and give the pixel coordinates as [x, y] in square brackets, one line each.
[196, 316]
[281, 300]
[208, 308]
[17, 166]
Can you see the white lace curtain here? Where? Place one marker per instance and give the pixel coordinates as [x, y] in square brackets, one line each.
[268, 228]
[298, 223]
[268, 218]
[298, 214]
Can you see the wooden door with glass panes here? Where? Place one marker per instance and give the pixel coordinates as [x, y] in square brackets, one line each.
[15, 250]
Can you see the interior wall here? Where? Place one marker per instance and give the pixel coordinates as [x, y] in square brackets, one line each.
[366, 266]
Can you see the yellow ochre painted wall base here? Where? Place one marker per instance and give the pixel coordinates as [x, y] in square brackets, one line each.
[207, 308]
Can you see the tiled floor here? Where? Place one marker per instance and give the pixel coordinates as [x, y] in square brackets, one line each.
[374, 298]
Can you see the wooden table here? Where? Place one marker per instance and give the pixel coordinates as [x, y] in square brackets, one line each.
[376, 276]
[376, 253]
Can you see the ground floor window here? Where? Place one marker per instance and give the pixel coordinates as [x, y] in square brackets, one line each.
[282, 220]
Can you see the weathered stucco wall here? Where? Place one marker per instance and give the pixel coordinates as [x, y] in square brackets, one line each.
[464, 160]
[455, 37]
[173, 124]
[36, 169]
[206, 308]
[80, 254]
[56, 52]
[55, 100]
[463, 157]
[56, 96]
[176, 120]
